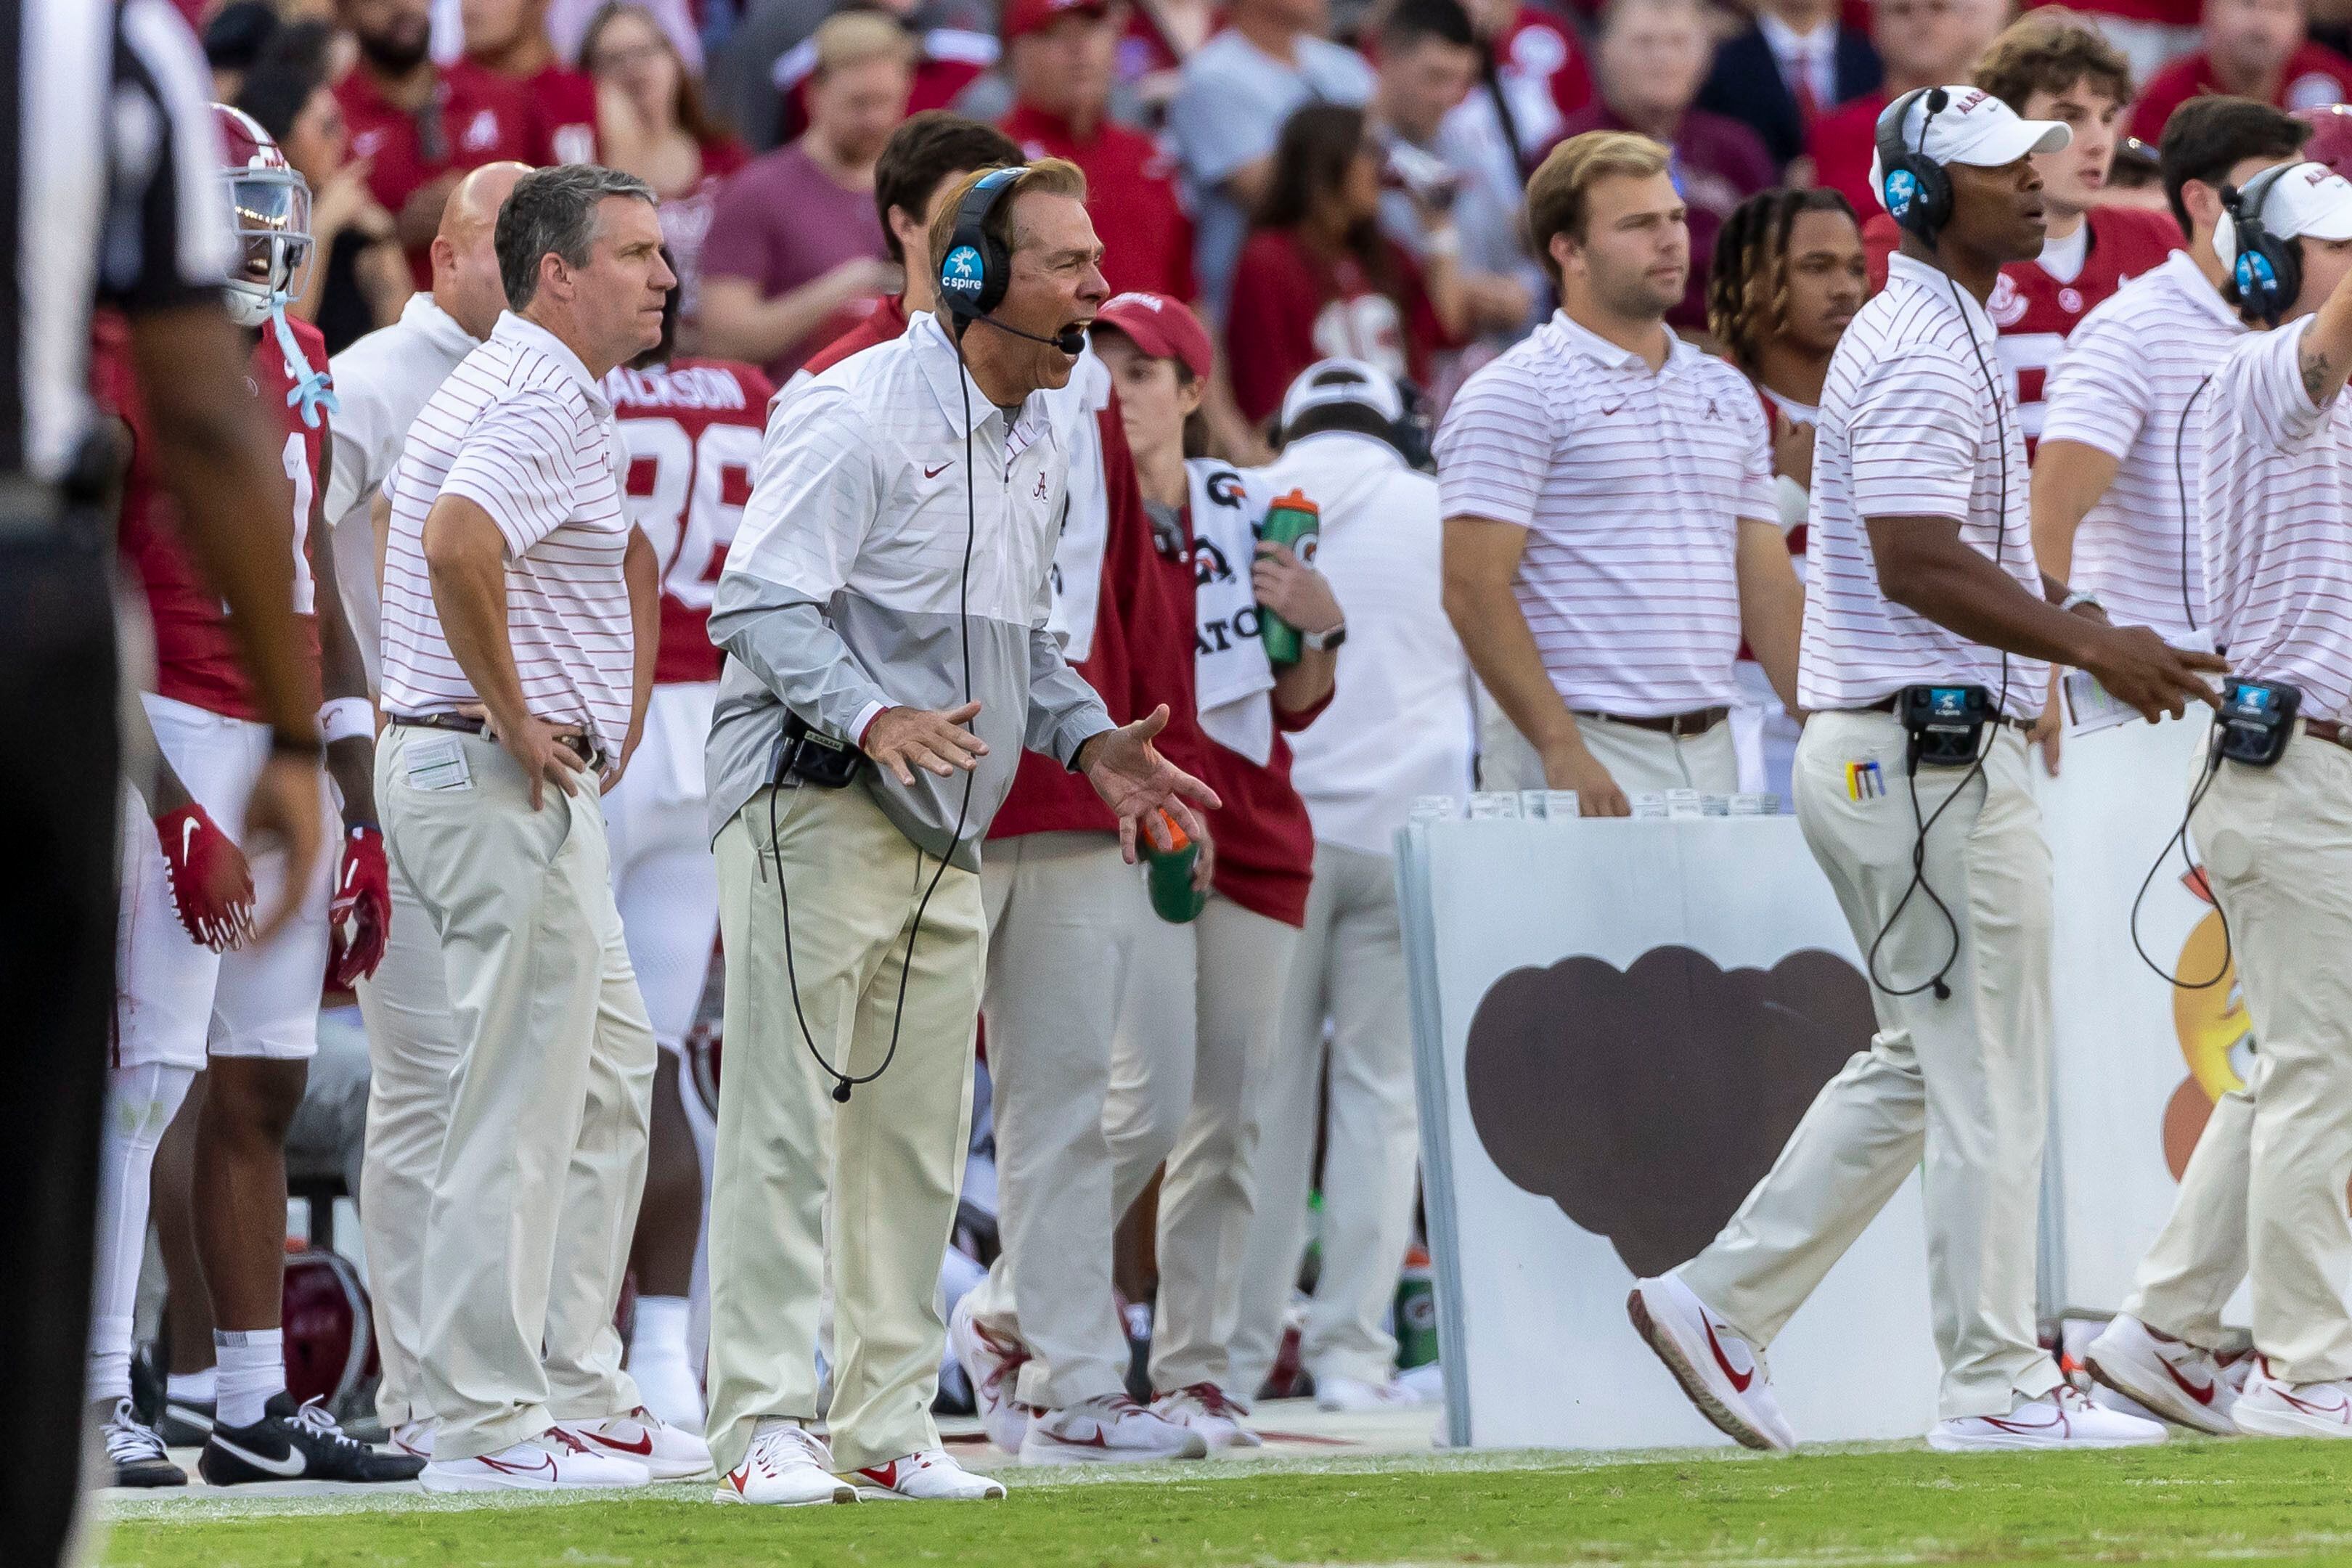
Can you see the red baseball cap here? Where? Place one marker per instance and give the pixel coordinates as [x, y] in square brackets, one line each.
[1162, 327]
[1024, 17]
[2331, 136]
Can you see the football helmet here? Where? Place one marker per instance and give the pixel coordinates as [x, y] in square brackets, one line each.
[269, 203]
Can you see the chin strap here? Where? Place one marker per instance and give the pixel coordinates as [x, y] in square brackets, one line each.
[313, 388]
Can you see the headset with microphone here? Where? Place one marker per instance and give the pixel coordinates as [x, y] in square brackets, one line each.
[2267, 270]
[978, 267]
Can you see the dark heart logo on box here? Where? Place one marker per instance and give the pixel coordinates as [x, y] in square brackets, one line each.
[1646, 1102]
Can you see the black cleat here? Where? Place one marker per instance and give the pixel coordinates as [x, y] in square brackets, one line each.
[185, 1423]
[292, 1443]
[135, 1452]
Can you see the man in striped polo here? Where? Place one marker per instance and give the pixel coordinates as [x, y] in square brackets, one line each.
[1925, 582]
[519, 613]
[1610, 527]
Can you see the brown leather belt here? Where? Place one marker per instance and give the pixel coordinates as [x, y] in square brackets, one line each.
[1696, 723]
[2328, 730]
[581, 746]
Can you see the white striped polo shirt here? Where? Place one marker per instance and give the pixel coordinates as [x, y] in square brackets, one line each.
[1631, 484]
[1912, 426]
[522, 430]
[2277, 512]
[2125, 387]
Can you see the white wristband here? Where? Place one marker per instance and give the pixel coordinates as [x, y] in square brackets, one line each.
[346, 718]
[1446, 241]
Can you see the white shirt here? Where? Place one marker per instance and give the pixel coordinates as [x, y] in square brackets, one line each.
[2278, 522]
[1399, 722]
[2122, 387]
[522, 430]
[1814, 53]
[1912, 426]
[1631, 484]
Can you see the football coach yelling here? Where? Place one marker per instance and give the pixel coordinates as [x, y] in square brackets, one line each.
[883, 610]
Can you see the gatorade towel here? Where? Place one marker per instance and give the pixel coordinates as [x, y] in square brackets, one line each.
[1232, 671]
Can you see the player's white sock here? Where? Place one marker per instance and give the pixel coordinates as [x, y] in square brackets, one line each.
[140, 1104]
[194, 1387]
[659, 1363]
[252, 1368]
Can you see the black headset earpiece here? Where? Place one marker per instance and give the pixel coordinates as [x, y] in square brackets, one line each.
[1916, 190]
[2267, 270]
[978, 269]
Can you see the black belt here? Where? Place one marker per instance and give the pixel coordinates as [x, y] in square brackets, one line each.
[581, 746]
[1697, 722]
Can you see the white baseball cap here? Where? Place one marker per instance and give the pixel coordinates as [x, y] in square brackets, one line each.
[2306, 198]
[1973, 127]
[1333, 380]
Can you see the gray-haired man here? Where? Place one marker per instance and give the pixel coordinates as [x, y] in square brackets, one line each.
[518, 620]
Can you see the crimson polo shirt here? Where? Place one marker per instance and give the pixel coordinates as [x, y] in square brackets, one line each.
[1130, 194]
[562, 111]
[2314, 75]
[483, 119]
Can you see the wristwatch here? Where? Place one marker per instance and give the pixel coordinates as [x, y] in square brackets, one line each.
[2078, 598]
[1323, 642]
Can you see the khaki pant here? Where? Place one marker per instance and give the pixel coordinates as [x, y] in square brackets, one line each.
[1960, 1084]
[1063, 908]
[2194, 1266]
[892, 1158]
[1639, 759]
[2277, 845]
[1196, 1036]
[1348, 969]
[535, 1194]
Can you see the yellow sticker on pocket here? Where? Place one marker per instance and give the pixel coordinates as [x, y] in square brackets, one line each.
[1864, 781]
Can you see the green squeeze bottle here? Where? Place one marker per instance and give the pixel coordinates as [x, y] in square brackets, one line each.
[1173, 897]
[1295, 521]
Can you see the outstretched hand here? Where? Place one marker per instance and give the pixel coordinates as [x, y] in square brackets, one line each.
[1138, 784]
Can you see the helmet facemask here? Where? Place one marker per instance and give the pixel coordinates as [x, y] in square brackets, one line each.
[271, 208]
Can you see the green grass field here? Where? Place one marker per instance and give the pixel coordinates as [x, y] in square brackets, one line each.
[2244, 1502]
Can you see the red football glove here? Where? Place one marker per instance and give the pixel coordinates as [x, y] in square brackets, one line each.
[361, 913]
[212, 887]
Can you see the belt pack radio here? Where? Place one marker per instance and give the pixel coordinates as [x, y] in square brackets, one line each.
[1946, 723]
[2256, 720]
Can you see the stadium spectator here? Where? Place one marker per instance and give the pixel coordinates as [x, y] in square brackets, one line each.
[1787, 279]
[2259, 49]
[658, 128]
[1610, 527]
[1919, 43]
[569, 22]
[1653, 56]
[235, 39]
[2049, 66]
[1398, 727]
[924, 160]
[1160, 36]
[416, 128]
[1319, 279]
[1062, 55]
[1238, 89]
[1796, 63]
[1531, 77]
[357, 279]
[793, 239]
[2149, 34]
[506, 40]
[946, 58]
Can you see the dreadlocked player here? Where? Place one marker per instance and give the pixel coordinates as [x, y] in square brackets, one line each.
[1788, 275]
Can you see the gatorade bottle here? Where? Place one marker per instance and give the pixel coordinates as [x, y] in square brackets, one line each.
[1173, 897]
[1295, 521]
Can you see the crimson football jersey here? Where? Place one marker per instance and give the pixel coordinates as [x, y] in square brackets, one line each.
[692, 428]
[197, 659]
[2033, 310]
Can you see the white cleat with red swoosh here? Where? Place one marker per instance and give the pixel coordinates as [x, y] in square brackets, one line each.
[787, 1466]
[1717, 1368]
[1109, 1429]
[668, 1453]
[2273, 1407]
[553, 1461]
[2182, 1383]
[2061, 1419]
[927, 1477]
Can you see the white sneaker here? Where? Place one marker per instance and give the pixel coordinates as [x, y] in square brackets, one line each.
[668, 1453]
[928, 1477]
[1110, 1428]
[413, 1437]
[785, 1467]
[2272, 1407]
[551, 1461]
[2059, 1419]
[1204, 1407]
[1719, 1371]
[1355, 1394]
[2173, 1379]
[993, 1364]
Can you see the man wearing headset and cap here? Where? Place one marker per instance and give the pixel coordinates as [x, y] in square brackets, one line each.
[2276, 837]
[1926, 642]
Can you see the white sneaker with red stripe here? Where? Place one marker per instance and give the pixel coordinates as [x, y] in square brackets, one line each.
[993, 1364]
[413, 1437]
[1204, 1407]
[2169, 1378]
[928, 1477]
[2273, 1407]
[668, 1453]
[1110, 1428]
[787, 1466]
[553, 1461]
[2061, 1419]
[1719, 1371]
